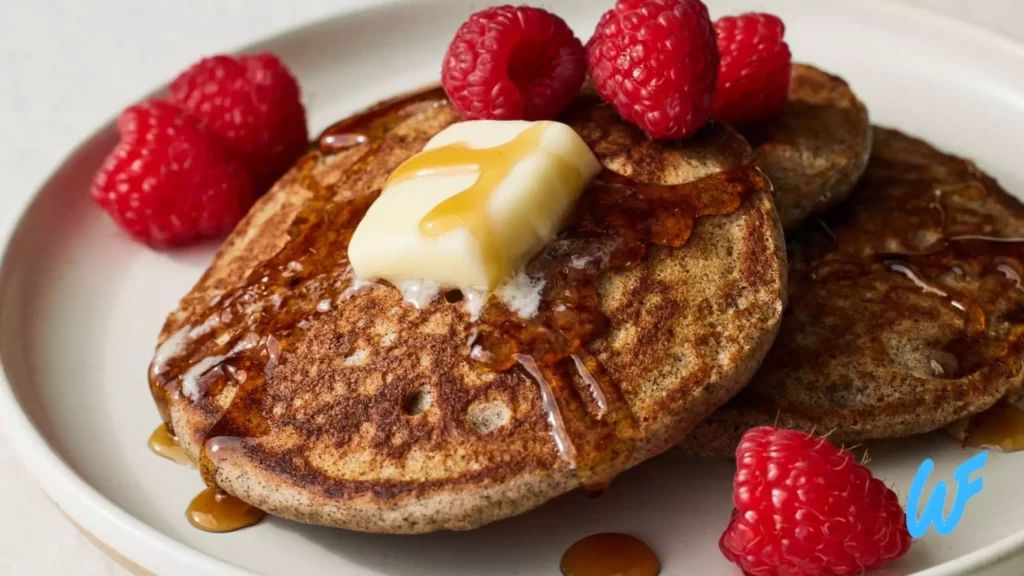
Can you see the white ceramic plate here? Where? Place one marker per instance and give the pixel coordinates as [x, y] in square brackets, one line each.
[80, 307]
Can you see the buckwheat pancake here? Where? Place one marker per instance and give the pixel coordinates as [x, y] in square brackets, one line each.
[329, 402]
[816, 148]
[906, 310]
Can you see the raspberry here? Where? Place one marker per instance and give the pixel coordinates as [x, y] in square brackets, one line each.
[803, 507]
[753, 79]
[656, 62]
[252, 104]
[167, 182]
[513, 63]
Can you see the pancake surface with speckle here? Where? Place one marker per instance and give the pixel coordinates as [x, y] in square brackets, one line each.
[904, 316]
[816, 148]
[346, 407]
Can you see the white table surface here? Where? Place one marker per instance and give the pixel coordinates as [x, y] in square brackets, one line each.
[66, 66]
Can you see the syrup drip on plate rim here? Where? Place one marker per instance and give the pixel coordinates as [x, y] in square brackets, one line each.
[256, 322]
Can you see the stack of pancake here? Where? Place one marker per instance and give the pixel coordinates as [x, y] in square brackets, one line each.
[327, 401]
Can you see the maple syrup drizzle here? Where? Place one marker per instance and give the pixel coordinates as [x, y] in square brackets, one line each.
[593, 387]
[1001, 427]
[617, 220]
[614, 223]
[610, 554]
[368, 126]
[566, 450]
[934, 223]
[991, 255]
[925, 287]
[216, 511]
[163, 443]
[961, 356]
[468, 209]
[334, 143]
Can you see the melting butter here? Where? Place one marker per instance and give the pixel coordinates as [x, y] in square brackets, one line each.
[474, 206]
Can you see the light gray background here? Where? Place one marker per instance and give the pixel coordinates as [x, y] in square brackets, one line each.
[67, 66]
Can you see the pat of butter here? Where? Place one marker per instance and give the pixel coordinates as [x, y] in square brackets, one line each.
[471, 209]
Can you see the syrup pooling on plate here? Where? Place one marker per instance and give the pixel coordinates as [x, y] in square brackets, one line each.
[254, 326]
[163, 443]
[1001, 427]
[610, 554]
[214, 511]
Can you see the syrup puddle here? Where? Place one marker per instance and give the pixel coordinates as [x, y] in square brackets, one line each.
[610, 554]
[165, 444]
[547, 399]
[1001, 428]
[215, 511]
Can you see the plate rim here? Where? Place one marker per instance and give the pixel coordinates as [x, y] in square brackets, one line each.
[150, 548]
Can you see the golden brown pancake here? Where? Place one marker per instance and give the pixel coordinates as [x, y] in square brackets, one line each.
[816, 148]
[334, 404]
[906, 310]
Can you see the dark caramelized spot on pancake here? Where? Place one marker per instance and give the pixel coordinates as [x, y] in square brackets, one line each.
[261, 321]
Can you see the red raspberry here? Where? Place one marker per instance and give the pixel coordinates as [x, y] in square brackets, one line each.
[753, 79]
[167, 182]
[513, 63]
[656, 62]
[252, 104]
[803, 507]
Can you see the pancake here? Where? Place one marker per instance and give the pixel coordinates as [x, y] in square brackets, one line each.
[815, 150]
[906, 311]
[328, 402]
